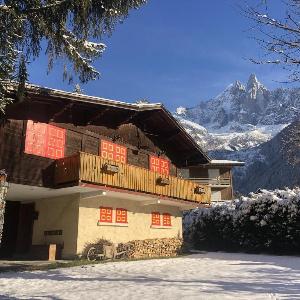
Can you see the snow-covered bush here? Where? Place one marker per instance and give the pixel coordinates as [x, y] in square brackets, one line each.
[264, 221]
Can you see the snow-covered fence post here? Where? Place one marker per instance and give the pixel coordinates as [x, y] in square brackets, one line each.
[3, 192]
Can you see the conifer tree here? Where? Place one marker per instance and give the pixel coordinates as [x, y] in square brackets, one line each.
[71, 30]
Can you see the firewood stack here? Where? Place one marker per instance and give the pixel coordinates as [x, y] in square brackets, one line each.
[152, 248]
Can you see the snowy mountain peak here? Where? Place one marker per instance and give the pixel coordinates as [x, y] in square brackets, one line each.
[238, 85]
[253, 86]
[242, 116]
[181, 110]
[252, 82]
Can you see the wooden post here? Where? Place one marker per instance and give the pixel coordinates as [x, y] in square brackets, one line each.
[3, 192]
[52, 252]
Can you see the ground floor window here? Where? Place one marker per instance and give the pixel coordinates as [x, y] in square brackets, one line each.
[156, 218]
[106, 214]
[167, 219]
[121, 215]
[161, 220]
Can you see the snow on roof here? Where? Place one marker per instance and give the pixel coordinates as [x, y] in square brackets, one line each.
[93, 99]
[226, 162]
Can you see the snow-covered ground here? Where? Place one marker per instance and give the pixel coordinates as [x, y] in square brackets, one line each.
[199, 276]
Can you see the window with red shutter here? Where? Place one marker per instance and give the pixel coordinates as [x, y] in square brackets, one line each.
[159, 165]
[113, 151]
[45, 140]
[167, 219]
[106, 214]
[121, 215]
[155, 218]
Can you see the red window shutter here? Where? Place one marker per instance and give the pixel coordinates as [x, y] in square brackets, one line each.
[45, 140]
[121, 215]
[35, 141]
[167, 219]
[113, 151]
[164, 167]
[55, 146]
[159, 165]
[106, 214]
[155, 218]
[120, 154]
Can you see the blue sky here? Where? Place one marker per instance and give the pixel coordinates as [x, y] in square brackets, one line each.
[175, 52]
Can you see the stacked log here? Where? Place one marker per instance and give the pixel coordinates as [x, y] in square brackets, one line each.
[166, 247]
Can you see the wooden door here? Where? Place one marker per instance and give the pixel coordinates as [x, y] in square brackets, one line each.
[10, 229]
[25, 228]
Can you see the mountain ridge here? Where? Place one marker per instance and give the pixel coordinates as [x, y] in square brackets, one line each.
[242, 116]
[249, 123]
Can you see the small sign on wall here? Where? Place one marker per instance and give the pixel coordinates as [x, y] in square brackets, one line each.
[53, 232]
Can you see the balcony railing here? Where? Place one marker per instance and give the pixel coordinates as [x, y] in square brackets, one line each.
[85, 167]
[213, 182]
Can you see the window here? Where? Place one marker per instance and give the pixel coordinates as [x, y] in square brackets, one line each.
[45, 140]
[167, 220]
[156, 218]
[159, 165]
[121, 215]
[106, 214]
[113, 151]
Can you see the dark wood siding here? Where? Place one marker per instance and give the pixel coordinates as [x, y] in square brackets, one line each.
[226, 194]
[35, 170]
[87, 139]
[21, 167]
[225, 173]
[198, 173]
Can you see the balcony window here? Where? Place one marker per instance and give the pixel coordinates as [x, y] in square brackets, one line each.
[113, 151]
[106, 214]
[159, 165]
[45, 140]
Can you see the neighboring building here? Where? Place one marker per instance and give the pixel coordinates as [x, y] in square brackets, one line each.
[82, 168]
[217, 174]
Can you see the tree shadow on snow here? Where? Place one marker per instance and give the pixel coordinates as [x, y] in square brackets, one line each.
[271, 285]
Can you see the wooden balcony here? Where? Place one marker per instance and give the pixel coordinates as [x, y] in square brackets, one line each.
[88, 168]
[213, 182]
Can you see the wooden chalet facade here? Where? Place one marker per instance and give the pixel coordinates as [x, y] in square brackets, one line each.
[82, 168]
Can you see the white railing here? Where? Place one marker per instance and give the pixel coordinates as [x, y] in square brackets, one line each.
[213, 181]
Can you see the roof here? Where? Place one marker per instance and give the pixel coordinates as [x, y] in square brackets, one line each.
[153, 118]
[33, 88]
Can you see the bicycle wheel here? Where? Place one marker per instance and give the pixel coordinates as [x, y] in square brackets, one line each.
[92, 254]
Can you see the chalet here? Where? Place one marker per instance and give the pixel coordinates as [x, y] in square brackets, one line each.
[82, 168]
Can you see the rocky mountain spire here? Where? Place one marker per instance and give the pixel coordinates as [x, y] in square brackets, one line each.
[253, 85]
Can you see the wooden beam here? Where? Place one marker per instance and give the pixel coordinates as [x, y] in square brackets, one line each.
[98, 116]
[171, 135]
[127, 120]
[62, 111]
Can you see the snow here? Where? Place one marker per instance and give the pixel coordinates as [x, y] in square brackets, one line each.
[237, 207]
[225, 162]
[193, 125]
[94, 98]
[180, 110]
[212, 275]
